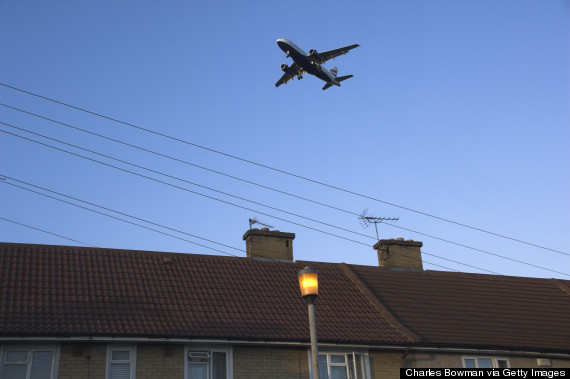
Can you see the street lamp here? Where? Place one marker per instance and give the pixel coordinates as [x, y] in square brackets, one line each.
[309, 284]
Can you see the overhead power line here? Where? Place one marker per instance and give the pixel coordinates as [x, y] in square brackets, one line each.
[283, 171]
[130, 222]
[45, 231]
[258, 203]
[240, 179]
[170, 228]
[178, 187]
[180, 160]
[187, 181]
[226, 202]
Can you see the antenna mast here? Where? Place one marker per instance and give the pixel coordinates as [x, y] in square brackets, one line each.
[253, 221]
[365, 221]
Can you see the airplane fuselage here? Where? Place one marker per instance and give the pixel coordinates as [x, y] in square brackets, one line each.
[303, 60]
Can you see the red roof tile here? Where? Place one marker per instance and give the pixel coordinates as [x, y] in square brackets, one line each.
[76, 291]
[450, 308]
[71, 291]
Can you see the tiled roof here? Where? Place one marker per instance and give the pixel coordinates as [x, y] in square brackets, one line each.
[451, 308]
[75, 291]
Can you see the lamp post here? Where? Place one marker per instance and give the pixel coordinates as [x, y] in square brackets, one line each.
[309, 284]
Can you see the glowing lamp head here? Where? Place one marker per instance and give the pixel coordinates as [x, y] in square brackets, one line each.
[309, 282]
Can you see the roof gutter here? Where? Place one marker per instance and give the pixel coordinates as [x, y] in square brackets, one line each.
[211, 341]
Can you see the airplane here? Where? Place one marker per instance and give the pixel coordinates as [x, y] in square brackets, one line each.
[311, 63]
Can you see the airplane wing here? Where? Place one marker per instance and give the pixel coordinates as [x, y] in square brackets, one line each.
[330, 54]
[294, 70]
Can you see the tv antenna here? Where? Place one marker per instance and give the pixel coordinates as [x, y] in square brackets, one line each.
[253, 221]
[365, 221]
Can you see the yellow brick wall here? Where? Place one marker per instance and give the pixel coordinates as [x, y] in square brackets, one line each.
[258, 246]
[82, 361]
[270, 363]
[164, 361]
[401, 257]
[385, 365]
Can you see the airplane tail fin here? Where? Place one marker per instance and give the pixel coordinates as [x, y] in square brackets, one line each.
[339, 79]
[334, 71]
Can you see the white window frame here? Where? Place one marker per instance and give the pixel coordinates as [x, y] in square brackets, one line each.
[55, 349]
[132, 348]
[494, 360]
[210, 349]
[354, 353]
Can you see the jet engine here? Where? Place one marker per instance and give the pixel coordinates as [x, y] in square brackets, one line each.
[315, 57]
[285, 68]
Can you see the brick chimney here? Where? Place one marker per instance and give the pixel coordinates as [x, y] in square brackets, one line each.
[397, 254]
[269, 244]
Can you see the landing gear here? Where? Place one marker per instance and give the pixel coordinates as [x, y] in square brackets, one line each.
[299, 77]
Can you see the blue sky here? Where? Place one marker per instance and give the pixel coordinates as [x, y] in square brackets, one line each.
[458, 109]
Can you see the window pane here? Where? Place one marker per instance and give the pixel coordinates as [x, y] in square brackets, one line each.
[219, 365]
[198, 371]
[120, 370]
[470, 363]
[15, 371]
[337, 358]
[41, 364]
[16, 355]
[323, 370]
[484, 363]
[120, 355]
[338, 372]
[502, 363]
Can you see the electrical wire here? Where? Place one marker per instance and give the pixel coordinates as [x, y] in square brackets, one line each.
[45, 231]
[121, 213]
[178, 187]
[170, 228]
[297, 215]
[185, 189]
[284, 172]
[240, 179]
[130, 222]
[180, 160]
[185, 181]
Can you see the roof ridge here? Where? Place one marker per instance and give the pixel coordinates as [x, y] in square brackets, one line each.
[562, 286]
[377, 304]
[98, 249]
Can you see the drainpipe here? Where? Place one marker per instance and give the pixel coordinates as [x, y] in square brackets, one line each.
[404, 357]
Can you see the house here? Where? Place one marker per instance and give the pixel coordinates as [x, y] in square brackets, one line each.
[75, 312]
